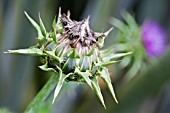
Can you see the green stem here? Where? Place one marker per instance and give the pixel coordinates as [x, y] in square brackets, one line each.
[39, 103]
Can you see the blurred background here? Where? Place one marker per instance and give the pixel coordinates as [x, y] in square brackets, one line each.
[21, 79]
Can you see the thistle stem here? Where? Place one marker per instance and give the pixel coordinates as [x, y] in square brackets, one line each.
[40, 102]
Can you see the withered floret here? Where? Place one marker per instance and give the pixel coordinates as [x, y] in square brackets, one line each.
[80, 31]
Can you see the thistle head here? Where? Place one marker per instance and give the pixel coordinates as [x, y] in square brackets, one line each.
[80, 32]
[146, 42]
[73, 51]
[154, 39]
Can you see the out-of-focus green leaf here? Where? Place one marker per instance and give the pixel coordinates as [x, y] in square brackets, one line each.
[118, 24]
[125, 61]
[129, 19]
[106, 52]
[5, 110]
[113, 56]
[143, 86]
[135, 67]
[106, 63]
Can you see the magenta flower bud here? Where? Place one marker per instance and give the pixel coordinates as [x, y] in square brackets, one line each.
[154, 39]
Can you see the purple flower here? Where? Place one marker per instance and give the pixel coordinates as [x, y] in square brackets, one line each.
[154, 39]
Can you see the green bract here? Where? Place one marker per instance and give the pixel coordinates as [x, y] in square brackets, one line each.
[130, 31]
[72, 51]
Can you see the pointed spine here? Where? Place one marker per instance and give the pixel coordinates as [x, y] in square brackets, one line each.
[35, 25]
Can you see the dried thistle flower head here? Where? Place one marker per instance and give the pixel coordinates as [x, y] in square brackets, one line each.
[72, 51]
[80, 32]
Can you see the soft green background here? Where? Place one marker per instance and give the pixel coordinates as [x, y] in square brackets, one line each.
[21, 79]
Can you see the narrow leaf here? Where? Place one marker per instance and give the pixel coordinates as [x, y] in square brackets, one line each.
[45, 68]
[42, 27]
[97, 90]
[107, 63]
[51, 46]
[106, 52]
[58, 25]
[118, 24]
[125, 61]
[61, 79]
[29, 51]
[91, 52]
[59, 85]
[59, 15]
[52, 55]
[36, 26]
[101, 39]
[108, 31]
[121, 54]
[54, 36]
[135, 68]
[106, 78]
[113, 56]
[74, 54]
[84, 63]
[129, 19]
[85, 75]
[69, 65]
[54, 24]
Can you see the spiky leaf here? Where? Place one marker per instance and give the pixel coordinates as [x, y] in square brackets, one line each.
[84, 75]
[118, 24]
[113, 56]
[46, 68]
[84, 63]
[106, 52]
[52, 55]
[29, 51]
[106, 78]
[61, 79]
[42, 27]
[36, 26]
[97, 90]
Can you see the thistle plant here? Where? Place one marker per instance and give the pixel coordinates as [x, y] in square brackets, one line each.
[147, 42]
[73, 52]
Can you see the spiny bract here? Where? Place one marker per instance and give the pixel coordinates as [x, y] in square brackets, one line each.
[72, 51]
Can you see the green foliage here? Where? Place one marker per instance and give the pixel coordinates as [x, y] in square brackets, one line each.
[129, 39]
[4, 110]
